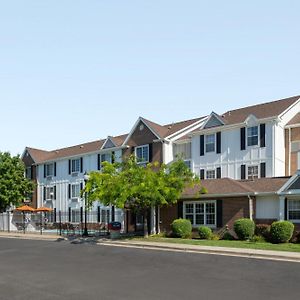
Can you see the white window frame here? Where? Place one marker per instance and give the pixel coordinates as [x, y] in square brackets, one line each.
[210, 143]
[48, 169]
[75, 216]
[49, 191]
[194, 203]
[289, 201]
[212, 171]
[249, 176]
[188, 163]
[73, 190]
[251, 136]
[73, 163]
[145, 160]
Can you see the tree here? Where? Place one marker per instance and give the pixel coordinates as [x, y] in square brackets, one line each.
[128, 184]
[14, 187]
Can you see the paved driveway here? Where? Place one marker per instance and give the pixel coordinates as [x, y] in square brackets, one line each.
[40, 270]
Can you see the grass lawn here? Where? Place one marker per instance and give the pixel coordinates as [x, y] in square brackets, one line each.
[231, 244]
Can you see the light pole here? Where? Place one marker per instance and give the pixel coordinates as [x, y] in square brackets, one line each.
[85, 231]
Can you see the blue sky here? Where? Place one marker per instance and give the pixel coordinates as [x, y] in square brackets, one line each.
[75, 71]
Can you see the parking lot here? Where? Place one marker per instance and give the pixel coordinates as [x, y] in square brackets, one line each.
[60, 270]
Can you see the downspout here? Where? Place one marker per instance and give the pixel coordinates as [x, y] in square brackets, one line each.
[273, 150]
[250, 207]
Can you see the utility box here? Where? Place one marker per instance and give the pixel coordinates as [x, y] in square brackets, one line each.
[114, 229]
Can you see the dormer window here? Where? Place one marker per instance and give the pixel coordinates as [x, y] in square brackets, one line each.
[210, 143]
[252, 136]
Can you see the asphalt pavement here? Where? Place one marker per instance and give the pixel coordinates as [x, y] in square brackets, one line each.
[36, 269]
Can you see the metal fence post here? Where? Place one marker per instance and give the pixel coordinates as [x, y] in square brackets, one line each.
[59, 216]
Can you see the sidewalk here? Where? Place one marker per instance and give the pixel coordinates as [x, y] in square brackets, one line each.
[30, 236]
[240, 252]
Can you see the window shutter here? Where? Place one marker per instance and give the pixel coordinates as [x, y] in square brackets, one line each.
[54, 192]
[262, 135]
[132, 150]
[98, 162]
[112, 213]
[81, 164]
[44, 171]
[219, 213]
[32, 170]
[243, 171]
[219, 172]
[285, 209]
[69, 191]
[70, 214]
[54, 214]
[243, 138]
[44, 193]
[201, 145]
[218, 142]
[180, 209]
[150, 152]
[55, 169]
[263, 170]
[81, 186]
[69, 166]
[201, 173]
[112, 157]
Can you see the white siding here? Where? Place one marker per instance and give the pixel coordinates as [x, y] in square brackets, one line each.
[267, 207]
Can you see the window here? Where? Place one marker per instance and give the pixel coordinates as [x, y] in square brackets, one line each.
[252, 136]
[182, 150]
[49, 169]
[210, 143]
[200, 213]
[293, 210]
[75, 216]
[75, 165]
[105, 157]
[188, 163]
[210, 174]
[75, 190]
[142, 154]
[28, 173]
[252, 172]
[49, 193]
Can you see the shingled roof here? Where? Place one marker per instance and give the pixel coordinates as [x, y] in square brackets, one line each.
[260, 111]
[228, 186]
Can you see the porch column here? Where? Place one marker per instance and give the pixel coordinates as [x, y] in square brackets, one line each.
[250, 208]
[153, 220]
[281, 208]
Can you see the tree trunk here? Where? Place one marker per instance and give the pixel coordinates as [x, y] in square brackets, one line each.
[145, 220]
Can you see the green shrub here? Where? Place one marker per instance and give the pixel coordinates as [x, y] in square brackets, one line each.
[244, 228]
[205, 233]
[215, 237]
[258, 239]
[281, 231]
[263, 230]
[182, 228]
[227, 236]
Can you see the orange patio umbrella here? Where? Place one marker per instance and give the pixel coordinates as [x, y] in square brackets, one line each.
[44, 209]
[25, 208]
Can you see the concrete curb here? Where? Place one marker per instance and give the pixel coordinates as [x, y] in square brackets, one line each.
[28, 236]
[238, 252]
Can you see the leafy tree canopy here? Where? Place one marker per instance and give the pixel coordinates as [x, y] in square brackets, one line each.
[128, 184]
[14, 187]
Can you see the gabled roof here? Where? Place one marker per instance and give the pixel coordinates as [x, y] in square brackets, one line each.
[295, 120]
[228, 186]
[214, 120]
[260, 111]
[40, 156]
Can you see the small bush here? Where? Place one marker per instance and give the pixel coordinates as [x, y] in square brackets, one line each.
[182, 228]
[263, 230]
[281, 231]
[215, 237]
[258, 239]
[227, 236]
[205, 233]
[244, 228]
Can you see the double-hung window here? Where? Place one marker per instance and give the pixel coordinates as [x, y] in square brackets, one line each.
[28, 172]
[252, 172]
[210, 174]
[293, 208]
[49, 169]
[210, 143]
[49, 193]
[75, 165]
[252, 136]
[142, 154]
[75, 191]
[201, 213]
